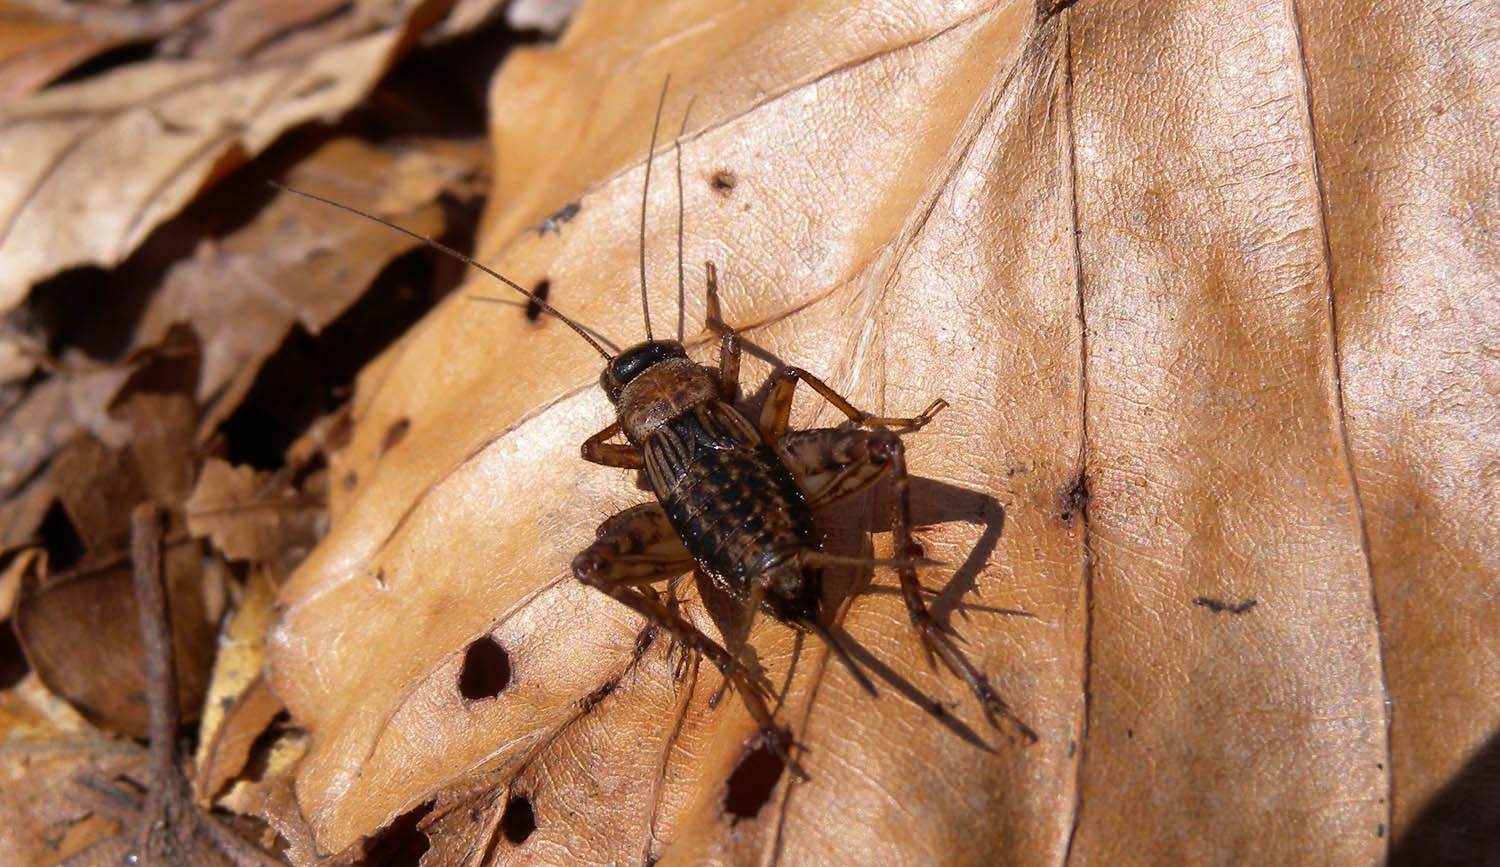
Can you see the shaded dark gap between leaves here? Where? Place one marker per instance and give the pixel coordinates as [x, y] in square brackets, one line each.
[57, 534]
[13, 665]
[1460, 823]
[401, 843]
[105, 61]
[309, 376]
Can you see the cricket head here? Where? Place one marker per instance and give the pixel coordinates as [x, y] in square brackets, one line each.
[630, 364]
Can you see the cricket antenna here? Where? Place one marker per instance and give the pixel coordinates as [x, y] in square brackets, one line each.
[681, 278]
[468, 260]
[645, 191]
[812, 625]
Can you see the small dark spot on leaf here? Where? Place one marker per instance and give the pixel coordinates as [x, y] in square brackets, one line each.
[394, 434]
[1072, 748]
[518, 820]
[401, 843]
[723, 182]
[350, 481]
[1130, 733]
[486, 670]
[1380, 829]
[754, 778]
[587, 703]
[380, 578]
[539, 294]
[1219, 605]
[1073, 498]
[553, 223]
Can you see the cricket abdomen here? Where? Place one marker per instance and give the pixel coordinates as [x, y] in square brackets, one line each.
[737, 509]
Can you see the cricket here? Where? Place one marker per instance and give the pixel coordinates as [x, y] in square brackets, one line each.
[735, 499]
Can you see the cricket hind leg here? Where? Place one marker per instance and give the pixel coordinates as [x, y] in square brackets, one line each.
[834, 463]
[637, 547]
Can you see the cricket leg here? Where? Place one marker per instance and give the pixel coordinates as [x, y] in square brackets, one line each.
[729, 342]
[778, 408]
[833, 463]
[596, 450]
[639, 546]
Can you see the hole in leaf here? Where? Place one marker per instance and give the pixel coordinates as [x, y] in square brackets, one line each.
[752, 781]
[518, 820]
[539, 293]
[486, 670]
[395, 434]
[402, 843]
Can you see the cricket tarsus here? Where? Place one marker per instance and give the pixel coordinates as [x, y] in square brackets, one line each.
[467, 260]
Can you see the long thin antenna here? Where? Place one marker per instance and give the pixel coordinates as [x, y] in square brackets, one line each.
[468, 260]
[645, 191]
[681, 278]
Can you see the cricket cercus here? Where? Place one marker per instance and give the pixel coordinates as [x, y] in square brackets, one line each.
[735, 499]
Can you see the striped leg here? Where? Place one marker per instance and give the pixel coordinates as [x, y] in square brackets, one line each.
[639, 546]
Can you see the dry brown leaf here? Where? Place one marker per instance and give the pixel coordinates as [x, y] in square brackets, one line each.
[71, 790]
[41, 41]
[290, 265]
[249, 518]
[82, 637]
[93, 167]
[1208, 289]
[52, 413]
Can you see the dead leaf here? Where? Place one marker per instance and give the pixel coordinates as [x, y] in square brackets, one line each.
[249, 519]
[71, 790]
[94, 166]
[81, 635]
[52, 413]
[42, 41]
[1210, 297]
[291, 266]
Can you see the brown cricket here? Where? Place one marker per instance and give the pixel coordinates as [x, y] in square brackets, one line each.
[735, 499]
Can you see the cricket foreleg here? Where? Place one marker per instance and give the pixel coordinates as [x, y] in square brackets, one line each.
[778, 407]
[639, 546]
[596, 450]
